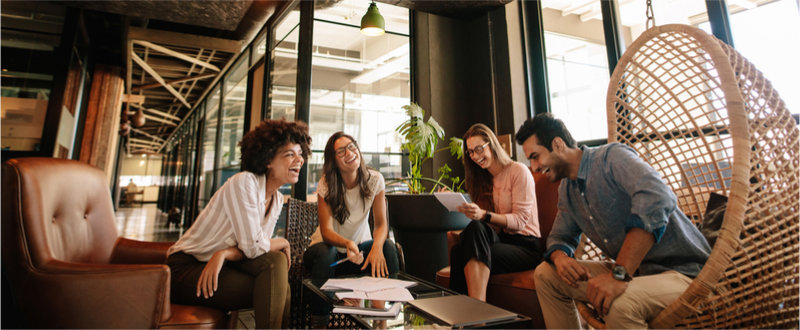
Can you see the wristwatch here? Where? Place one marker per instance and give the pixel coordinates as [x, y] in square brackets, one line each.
[620, 273]
[487, 218]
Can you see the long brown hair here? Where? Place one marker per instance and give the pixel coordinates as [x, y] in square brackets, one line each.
[335, 183]
[479, 180]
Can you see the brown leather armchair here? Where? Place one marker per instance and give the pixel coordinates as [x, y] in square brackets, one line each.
[516, 291]
[65, 265]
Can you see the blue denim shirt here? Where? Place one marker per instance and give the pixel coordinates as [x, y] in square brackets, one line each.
[615, 191]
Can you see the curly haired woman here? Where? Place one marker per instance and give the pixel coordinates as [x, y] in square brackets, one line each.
[228, 258]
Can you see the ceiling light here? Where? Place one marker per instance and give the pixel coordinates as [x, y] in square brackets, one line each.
[372, 24]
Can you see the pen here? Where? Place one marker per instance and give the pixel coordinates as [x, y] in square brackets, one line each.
[340, 261]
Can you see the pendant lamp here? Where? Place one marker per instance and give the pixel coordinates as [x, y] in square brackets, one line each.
[139, 119]
[372, 24]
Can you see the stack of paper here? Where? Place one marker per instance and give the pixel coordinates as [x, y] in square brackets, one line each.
[391, 311]
[368, 287]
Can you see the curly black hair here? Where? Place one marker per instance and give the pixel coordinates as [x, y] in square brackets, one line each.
[260, 145]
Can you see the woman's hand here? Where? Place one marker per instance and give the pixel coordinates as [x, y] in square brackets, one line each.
[282, 244]
[353, 254]
[378, 262]
[472, 211]
[207, 283]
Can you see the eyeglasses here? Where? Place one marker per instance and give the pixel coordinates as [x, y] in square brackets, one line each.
[341, 151]
[476, 150]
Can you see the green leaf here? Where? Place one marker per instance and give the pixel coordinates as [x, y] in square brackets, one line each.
[457, 147]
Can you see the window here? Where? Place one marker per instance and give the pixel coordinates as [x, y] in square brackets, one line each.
[634, 19]
[763, 34]
[577, 66]
[283, 77]
[209, 132]
[359, 85]
[233, 107]
[30, 39]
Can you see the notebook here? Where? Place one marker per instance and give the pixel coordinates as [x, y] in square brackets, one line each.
[461, 310]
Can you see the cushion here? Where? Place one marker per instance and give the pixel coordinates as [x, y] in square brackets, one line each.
[712, 219]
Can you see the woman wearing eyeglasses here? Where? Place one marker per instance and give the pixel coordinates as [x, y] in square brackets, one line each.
[347, 191]
[504, 237]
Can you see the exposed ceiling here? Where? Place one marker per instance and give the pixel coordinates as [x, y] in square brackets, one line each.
[170, 67]
[174, 50]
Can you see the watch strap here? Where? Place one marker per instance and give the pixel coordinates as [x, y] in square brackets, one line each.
[487, 218]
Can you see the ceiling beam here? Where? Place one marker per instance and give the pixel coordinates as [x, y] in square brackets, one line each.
[131, 98]
[138, 131]
[175, 54]
[158, 78]
[157, 112]
[140, 141]
[186, 40]
[173, 82]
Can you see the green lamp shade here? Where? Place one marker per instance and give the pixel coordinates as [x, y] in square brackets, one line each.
[372, 24]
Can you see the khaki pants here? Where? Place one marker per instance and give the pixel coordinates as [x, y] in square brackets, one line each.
[644, 298]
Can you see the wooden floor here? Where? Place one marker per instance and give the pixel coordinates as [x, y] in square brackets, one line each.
[145, 222]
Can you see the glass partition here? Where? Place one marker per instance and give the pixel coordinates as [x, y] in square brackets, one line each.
[359, 85]
[233, 109]
[283, 74]
[207, 183]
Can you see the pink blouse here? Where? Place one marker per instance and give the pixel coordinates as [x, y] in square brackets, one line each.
[514, 195]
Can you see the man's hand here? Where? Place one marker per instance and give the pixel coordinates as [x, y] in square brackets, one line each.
[207, 283]
[378, 262]
[602, 290]
[570, 271]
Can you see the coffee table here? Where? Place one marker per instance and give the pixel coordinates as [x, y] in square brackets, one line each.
[410, 317]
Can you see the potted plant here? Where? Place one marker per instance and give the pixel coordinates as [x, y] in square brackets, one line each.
[420, 140]
[419, 222]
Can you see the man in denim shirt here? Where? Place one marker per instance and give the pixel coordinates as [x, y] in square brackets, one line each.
[619, 202]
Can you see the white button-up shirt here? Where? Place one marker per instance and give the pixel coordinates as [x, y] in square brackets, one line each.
[235, 216]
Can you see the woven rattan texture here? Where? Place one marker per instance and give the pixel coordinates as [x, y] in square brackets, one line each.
[301, 221]
[708, 121]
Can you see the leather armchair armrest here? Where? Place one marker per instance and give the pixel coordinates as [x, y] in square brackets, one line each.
[70, 295]
[128, 251]
[453, 237]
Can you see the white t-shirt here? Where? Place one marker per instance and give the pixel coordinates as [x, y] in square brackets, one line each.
[235, 216]
[356, 226]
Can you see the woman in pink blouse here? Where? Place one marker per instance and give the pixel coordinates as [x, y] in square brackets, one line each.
[504, 237]
[228, 259]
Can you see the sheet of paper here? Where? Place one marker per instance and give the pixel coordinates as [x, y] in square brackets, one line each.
[366, 283]
[392, 311]
[450, 200]
[395, 294]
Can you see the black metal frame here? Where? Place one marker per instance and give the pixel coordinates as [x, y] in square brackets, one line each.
[536, 59]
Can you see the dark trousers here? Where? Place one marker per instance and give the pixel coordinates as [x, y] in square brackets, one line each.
[501, 252]
[318, 258]
[261, 283]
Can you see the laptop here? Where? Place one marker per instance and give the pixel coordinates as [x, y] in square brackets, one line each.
[460, 310]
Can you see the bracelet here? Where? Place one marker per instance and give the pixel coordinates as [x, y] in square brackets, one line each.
[487, 217]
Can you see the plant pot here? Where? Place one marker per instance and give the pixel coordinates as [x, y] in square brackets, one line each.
[420, 224]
